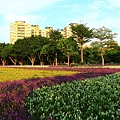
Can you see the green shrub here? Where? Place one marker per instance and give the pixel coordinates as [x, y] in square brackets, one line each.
[91, 99]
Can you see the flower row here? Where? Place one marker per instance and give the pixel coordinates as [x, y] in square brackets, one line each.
[13, 94]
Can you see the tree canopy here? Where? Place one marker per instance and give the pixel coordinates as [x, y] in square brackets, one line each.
[82, 34]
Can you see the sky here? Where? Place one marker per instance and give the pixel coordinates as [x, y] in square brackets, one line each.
[60, 13]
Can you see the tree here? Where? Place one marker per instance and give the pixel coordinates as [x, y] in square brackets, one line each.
[91, 55]
[55, 36]
[49, 51]
[28, 47]
[13, 56]
[82, 35]
[32, 48]
[8, 52]
[41, 42]
[111, 44]
[68, 46]
[112, 55]
[3, 56]
[103, 35]
[95, 49]
[20, 49]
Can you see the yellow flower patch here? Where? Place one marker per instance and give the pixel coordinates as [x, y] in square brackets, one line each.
[10, 74]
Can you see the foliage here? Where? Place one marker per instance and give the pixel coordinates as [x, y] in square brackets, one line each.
[49, 51]
[68, 46]
[103, 35]
[92, 99]
[91, 55]
[82, 34]
[3, 53]
[41, 50]
[55, 35]
[112, 44]
[8, 52]
[13, 94]
[30, 48]
[112, 55]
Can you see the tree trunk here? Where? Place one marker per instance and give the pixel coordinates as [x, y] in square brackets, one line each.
[41, 63]
[56, 62]
[3, 62]
[68, 60]
[41, 59]
[21, 63]
[102, 57]
[14, 61]
[81, 50]
[32, 60]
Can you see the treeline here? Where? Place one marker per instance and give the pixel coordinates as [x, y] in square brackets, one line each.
[38, 50]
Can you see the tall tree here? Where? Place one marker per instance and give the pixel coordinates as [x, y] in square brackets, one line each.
[103, 35]
[69, 47]
[91, 55]
[111, 44]
[32, 48]
[55, 36]
[82, 35]
[8, 52]
[41, 42]
[20, 48]
[112, 55]
[49, 51]
[28, 47]
[3, 56]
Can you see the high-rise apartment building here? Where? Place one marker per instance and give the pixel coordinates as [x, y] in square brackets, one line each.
[66, 32]
[34, 30]
[48, 29]
[42, 32]
[19, 30]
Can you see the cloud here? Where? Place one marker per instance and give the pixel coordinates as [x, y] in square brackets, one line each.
[75, 8]
[95, 5]
[29, 18]
[23, 6]
[26, 10]
[60, 13]
[114, 3]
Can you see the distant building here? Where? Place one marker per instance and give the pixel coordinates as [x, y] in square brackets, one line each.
[35, 30]
[66, 32]
[48, 30]
[42, 32]
[19, 30]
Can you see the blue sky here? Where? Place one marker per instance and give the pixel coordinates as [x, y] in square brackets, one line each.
[60, 13]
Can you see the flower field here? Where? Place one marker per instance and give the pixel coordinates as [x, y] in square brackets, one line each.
[10, 74]
[17, 86]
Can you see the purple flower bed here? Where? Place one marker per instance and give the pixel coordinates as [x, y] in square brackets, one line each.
[13, 94]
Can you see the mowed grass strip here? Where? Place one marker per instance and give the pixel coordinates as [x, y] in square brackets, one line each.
[10, 74]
